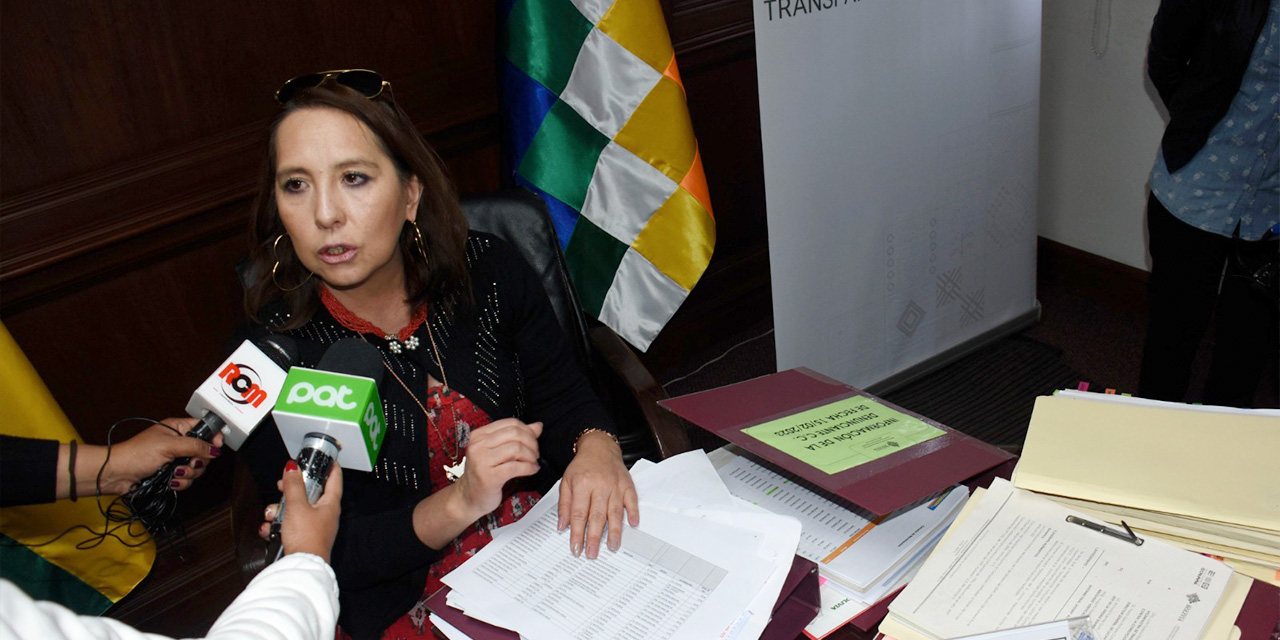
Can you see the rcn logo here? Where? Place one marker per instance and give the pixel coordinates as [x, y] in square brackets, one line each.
[244, 385]
[325, 396]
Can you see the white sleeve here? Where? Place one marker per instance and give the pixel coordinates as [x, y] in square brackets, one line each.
[26, 619]
[295, 598]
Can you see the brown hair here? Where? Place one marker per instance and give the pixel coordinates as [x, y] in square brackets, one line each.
[443, 226]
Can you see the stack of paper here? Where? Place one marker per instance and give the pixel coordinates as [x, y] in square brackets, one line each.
[1203, 478]
[700, 565]
[1013, 559]
[862, 557]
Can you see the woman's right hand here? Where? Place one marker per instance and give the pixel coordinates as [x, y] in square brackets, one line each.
[307, 528]
[497, 452]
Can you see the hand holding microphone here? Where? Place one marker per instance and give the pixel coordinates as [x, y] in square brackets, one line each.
[328, 415]
[310, 527]
[140, 456]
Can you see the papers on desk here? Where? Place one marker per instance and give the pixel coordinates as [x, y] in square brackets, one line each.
[862, 557]
[1214, 464]
[851, 546]
[1200, 477]
[1014, 560]
[700, 565]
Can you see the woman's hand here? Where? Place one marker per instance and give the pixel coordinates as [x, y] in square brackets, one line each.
[306, 528]
[497, 453]
[140, 456]
[595, 490]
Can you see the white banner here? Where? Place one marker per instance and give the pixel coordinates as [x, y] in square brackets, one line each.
[900, 156]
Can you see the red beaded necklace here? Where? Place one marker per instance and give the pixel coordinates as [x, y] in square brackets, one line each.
[350, 320]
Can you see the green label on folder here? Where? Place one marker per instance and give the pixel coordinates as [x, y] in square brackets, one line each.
[844, 434]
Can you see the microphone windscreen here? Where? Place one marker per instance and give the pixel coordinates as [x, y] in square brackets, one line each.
[280, 348]
[355, 357]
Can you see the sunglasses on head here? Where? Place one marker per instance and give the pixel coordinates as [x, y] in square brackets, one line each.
[368, 83]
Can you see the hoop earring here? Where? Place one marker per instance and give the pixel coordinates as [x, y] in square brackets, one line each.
[417, 240]
[274, 246]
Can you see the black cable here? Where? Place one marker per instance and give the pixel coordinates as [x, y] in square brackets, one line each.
[150, 504]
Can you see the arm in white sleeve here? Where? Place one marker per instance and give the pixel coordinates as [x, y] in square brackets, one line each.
[26, 619]
[295, 598]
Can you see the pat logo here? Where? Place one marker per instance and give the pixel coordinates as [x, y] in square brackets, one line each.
[371, 422]
[242, 385]
[324, 396]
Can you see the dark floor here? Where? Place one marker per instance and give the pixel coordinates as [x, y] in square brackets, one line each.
[1093, 320]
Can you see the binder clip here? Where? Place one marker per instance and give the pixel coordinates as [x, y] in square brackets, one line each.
[1127, 535]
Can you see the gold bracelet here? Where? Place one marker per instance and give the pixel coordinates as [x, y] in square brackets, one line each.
[586, 431]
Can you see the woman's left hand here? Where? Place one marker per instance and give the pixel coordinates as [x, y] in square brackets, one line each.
[595, 490]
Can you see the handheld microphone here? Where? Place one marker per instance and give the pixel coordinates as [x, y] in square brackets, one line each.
[335, 403]
[315, 459]
[339, 398]
[232, 401]
[242, 390]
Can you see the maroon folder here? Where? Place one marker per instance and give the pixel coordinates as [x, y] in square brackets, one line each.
[1260, 615]
[880, 486]
[797, 604]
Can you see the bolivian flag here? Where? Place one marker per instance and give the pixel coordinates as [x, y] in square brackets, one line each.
[87, 581]
[597, 126]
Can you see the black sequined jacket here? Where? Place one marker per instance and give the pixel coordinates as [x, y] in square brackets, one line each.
[508, 356]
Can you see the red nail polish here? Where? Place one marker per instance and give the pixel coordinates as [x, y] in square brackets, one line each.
[180, 472]
[290, 466]
[173, 483]
[215, 451]
[197, 464]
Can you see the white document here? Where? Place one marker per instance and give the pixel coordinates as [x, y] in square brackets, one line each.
[1015, 561]
[851, 546]
[674, 577]
[688, 484]
[1069, 629]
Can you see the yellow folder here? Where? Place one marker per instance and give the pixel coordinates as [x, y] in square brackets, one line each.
[1196, 462]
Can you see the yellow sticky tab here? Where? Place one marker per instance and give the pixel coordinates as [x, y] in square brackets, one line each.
[679, 239]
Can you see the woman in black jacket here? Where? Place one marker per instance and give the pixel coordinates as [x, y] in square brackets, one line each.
[357, 233]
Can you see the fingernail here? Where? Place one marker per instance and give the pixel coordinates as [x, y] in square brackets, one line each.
[613, 546]
[174, 483]
[290, 466]
[576, 550]
[560, 524]
[198, 464]
[215, 451]
[180, 472]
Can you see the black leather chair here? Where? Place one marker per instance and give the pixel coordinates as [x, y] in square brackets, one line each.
[619, 378]
[624, 385]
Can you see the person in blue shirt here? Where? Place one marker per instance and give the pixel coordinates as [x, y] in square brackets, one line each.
[1212, 216]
